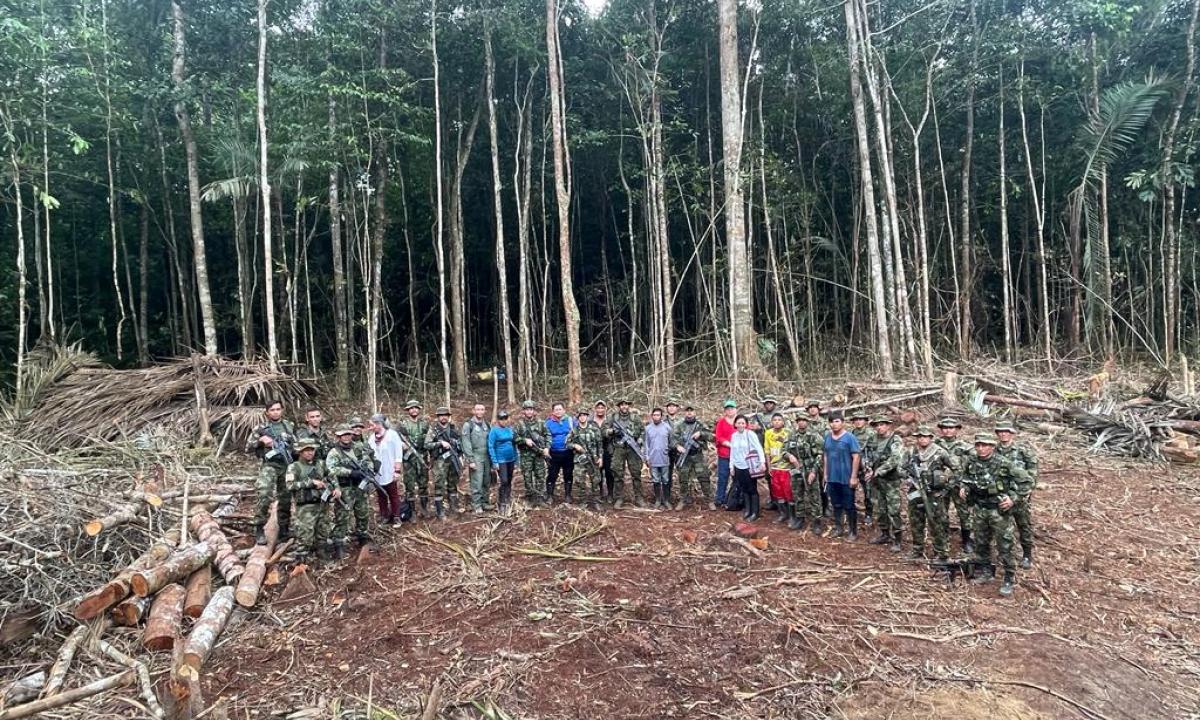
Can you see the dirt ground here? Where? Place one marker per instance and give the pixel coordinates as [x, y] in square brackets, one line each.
[667, 619]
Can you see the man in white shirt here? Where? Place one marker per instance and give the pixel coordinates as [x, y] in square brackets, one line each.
[386, 444]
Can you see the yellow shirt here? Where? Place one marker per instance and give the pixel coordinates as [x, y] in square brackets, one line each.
[773, 443]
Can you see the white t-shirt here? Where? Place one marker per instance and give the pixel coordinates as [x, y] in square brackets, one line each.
[387, 452]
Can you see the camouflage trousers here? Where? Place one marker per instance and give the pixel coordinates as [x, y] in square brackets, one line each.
[416, 482]
[962, 511]
[589, 481]
[624, 458]
[445, 481]
[932, 516]
[481, 478]
[806, 496]
[271, 486]
[886, 504]
[993, 524]
[357, 508]
[1023, 520]
[533, 475]
[694, 476]
[312, 526]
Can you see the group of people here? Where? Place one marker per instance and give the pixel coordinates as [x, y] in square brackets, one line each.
[812, 468]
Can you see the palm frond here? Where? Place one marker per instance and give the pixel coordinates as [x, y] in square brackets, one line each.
[1124, 110]
[239, 186]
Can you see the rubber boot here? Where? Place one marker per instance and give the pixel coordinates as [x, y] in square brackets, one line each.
[818, 527]
[424, 507]
[984, 574]
[363, 539]
[796, 522]
[339, 550]
[439, 510]
[837, 523]
[260, 535]
[638, 498]
[285, 533]
[1027, 559]
[504, 498]
[325, 552]
[853, 527]
[666, 492]
[967, 546]
[918, 550]
[782, 508]
[746, 507]
[1006, 587]
[883, 538]
[895, 544]
[753, 509]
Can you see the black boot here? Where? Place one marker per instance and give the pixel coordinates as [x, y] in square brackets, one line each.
[504, 496]
[895, 544]
[745, 507]
[1006, 587]
[1027, 559]
[753, 509]
[260, 535]
[795, 522]
[783, 509]
[667, 496]
[439, 510]
[339, 549]
[883, 538]
[818, 527]
[285, 532]
[837, 523]
[424, 506]
[967, 546]
[853, 527]
[984, 573]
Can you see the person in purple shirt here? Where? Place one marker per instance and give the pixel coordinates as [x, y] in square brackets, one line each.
[840, 459]
[562, 459]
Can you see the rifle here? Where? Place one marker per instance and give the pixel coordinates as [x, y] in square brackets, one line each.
[628, 439]
[279, 447]
[327, 493]
[687, 450]
[455, 452]
[368, 475]
[914, 476]
[408, 450]
[954, 567]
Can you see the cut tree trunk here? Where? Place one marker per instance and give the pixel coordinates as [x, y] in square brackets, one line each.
[130, 611]
[166, 616]
[177, 567]
[199, 592]
[208, 628]
[208, 530]
[117, 589]
[121, 516]
[256, 566]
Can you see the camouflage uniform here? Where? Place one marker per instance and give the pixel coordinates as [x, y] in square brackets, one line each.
[339, 464]
[588, 436]
[475, 450]
[864, 435]
[312, 517]
[271, 484]
[987, 481]
[807, 447]
[445, 481]
[532, 459]
[625, 458]
[959, 449]
[695, 468]
[886, 456]
[416, 465]
[318, 435]
[936, 469]
[1021, 510]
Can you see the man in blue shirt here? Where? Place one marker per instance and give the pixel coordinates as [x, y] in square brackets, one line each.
[841, 458]
[562, 459]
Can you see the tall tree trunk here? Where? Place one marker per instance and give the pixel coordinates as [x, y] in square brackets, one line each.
[867, 183]
[967, 285]
[413, 342]
[1102, 258]
[522, 193]
[458, 300]
[106, 93]
[264, 184]
[143, 285]
[562, 194]
[341, 321]
[505, 335]
[199, 257]
[46, 304]
[439, 247]
[1005, 257]
[741, 288]
[378, 232]
[22, 305]
[1037, 197]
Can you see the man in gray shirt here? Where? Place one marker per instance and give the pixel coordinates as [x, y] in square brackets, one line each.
[657, 443]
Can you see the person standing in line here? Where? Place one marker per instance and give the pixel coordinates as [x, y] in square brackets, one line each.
[723, 434]
[671, 417]
[386, 444]
[341, 466]
[887, 456]
[306, 480]
[625, 431]
[600, 417]
[411, 431]
[314, 429]
[805, 447]
[585, 440]
[862, 432]
[689, 437]
[1024, 457]
[475, 450]
[748, 460]
[562, 459]
[657, 441]
[502, 451]
[840, 463]
[534, 450]
[273, 442]
[959, 449]
[775, 443]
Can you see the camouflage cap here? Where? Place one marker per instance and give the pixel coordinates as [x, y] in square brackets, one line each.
[812, 402]
[529, 405]
[769, 399]
[672, 400]
[881, 420]
[443, 410]
[412, 404]
[949, 422]
[729, 403]
[307, 444]
[924, 431]
[355, 421]
[624, 401]
[600, 403]
[583, 410]
[985, 439]
[802, 418]
[1005, 426]
[859, 415]
[343, 429]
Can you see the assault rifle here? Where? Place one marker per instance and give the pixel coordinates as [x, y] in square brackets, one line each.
[687, 450]
[628, 439]
[914, 477]
[408, 450]
[327, 495]
[280, 447]
[368, 475]
[455, 453]
[955, 567]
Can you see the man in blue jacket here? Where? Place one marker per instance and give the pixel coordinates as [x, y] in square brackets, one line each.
[562, 459]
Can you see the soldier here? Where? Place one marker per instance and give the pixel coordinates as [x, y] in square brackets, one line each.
[586, 440]
[600, 417]
[1022, 518]
[948, 428]
[306, 481]
[475, 448]
[779, 467]
[929, 471]
[816, 422]
[862, 432]
[273, 443]
[991, 483]
[412, 437]
[444, 445]
[761, 420]
[314, 430]
[670, 418]
[344, 466]
[625, 431]
[886, 454]
[804, 448]
[689, 437]
[534, 449]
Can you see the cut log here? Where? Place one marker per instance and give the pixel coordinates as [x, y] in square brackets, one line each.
[1022, 402]
[143, 676]
[950, 390]
[206, 631]
[199, 592]
[130, 611]
[251, 581]
[177, 567]
[120, 516]
[166, 615]
[62, 663]
[117, 589]
[299, 586]
[1191, 427]
[206, 529]
[66, 698]
[1180, 455]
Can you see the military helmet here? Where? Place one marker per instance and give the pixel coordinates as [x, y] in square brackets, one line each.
[307, 444]
[412, 404]
[355, 421]
[986, 439]
[924, 431]
[442, 410]
[1005, 426]
[881, 420]
[529, 405]
[859, 415]
[949, 422]
[343, 429]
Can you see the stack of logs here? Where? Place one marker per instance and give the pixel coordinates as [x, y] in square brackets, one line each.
[165, 589]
